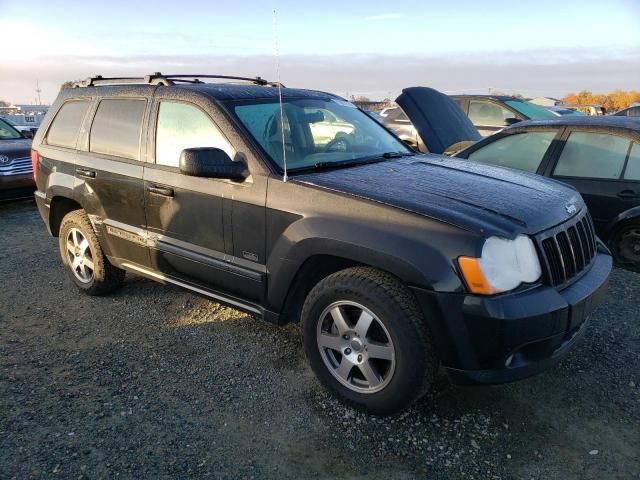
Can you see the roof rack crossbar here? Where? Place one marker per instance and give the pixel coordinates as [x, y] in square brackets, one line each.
[158, 78]
[256, 80]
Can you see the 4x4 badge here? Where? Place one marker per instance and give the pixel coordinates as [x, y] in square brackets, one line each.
[571, 208]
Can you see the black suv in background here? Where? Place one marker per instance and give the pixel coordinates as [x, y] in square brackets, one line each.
[394, 262]
[599, 156]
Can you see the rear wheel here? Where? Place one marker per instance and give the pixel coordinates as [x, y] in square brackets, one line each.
[625, 246]
[367, 341]
[83, 258]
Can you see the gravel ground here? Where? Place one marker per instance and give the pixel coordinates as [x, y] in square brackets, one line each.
[154, 382]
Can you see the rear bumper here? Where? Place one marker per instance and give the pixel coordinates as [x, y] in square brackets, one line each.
[486, 340]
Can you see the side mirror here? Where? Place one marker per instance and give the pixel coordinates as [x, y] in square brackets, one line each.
[211, 163]
[27, 133]
[511, 120]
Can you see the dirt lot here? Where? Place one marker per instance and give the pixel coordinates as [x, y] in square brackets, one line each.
[154, 382]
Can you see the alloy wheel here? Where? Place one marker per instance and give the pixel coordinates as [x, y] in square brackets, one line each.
[79, 256]
[629, 246]
[356, 347]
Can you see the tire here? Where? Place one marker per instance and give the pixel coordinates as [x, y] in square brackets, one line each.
[83, 258]
[625, 245]
[390, 357]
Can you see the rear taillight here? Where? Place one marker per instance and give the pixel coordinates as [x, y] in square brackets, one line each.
[35, 157]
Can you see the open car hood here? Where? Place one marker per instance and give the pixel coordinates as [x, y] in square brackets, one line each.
[440, 122]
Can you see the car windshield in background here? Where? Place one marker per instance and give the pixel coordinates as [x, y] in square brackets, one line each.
[7, 132]
[317, 133]
[530, 110]
[568, 112]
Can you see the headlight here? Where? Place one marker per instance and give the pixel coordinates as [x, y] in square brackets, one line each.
[503, 266]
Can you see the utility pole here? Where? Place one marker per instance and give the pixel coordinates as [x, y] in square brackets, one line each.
[38, 92]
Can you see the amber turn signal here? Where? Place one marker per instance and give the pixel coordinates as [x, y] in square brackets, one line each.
[472, 272]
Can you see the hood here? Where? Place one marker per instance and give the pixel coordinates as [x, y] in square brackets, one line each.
[19, 148]
[439, 120]
[486, 199]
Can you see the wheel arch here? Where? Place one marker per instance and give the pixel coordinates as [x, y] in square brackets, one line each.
[310, 273]
[624, 217]
[59, 207]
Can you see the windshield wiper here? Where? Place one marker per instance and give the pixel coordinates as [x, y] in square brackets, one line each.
[397, 154]
[353, 161]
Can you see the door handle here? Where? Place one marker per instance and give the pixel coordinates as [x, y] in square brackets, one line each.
[628, 194]
[164, 191]
[83, 172]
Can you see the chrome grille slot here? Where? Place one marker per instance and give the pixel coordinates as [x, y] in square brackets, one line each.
[567, 250]
[576, 247]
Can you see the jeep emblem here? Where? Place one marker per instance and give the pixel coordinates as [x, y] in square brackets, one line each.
[571, 208]
[4, 160]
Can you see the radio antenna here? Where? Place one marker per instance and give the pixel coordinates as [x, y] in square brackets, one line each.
[275, 41]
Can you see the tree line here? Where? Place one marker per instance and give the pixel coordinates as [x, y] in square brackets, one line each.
[612, 101]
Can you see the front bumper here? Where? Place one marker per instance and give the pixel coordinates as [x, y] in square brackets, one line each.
[21, 180]
[16, 186]
[486, 340]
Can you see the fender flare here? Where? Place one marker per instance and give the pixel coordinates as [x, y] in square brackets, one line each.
[390, 251]
[629, 214]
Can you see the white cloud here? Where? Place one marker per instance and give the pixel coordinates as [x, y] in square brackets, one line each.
[384, 16]
[540, 72]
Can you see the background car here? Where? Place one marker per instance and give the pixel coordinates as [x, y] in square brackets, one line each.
[561, 111]
[491, 113]
[327, 126]
[632, 111]
[16, 173]
[430, 121]
[599, 156]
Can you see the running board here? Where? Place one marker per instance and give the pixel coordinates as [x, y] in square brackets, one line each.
[222, 299]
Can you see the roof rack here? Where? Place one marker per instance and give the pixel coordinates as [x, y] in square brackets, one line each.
[158, 78]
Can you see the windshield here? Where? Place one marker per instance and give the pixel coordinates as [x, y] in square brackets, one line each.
[568, 111]
[530, 110]
[317, 133]
[7, 132]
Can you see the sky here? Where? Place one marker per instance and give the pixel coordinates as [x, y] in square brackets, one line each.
[371, 48]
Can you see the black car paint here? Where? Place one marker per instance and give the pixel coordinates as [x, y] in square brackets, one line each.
[604, 198]
[411, 217]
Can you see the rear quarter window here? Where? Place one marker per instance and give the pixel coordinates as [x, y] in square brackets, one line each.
[117, 127]
[66, 124]
[523, 151]
[633, 165]
[592, 155]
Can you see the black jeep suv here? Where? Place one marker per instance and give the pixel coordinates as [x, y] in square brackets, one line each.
[295, 206]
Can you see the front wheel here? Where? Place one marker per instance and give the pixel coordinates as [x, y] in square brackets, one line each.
[367, 341]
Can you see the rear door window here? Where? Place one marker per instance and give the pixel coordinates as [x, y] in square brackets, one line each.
[633, 164]
[523, 151]
[488, 113]
[66, 125]
[592, 155]
[117, 127]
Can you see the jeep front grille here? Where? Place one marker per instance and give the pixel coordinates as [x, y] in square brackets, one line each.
[567, 249]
